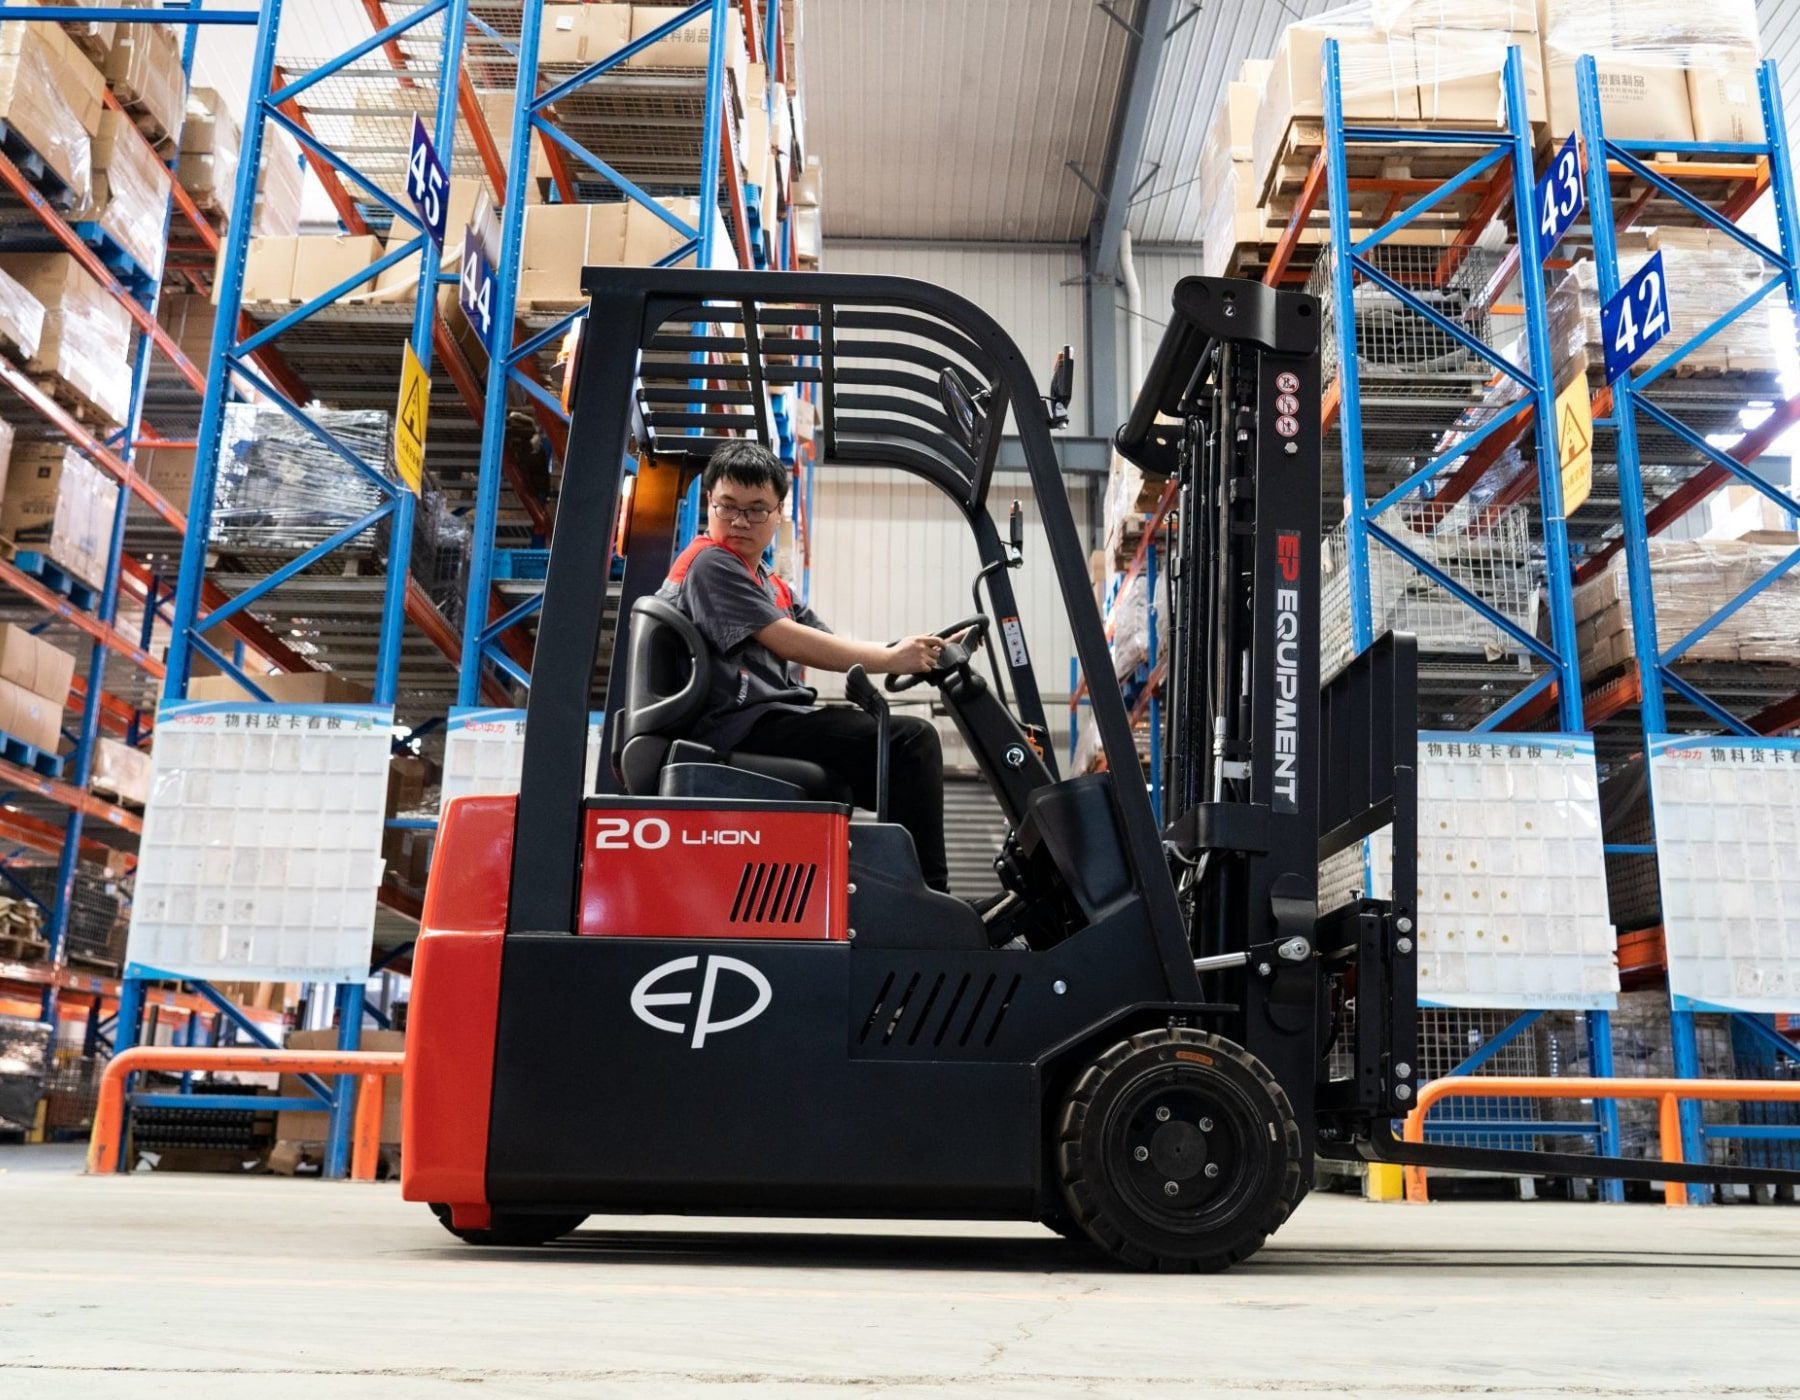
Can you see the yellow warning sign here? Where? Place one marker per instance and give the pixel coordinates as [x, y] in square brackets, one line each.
[410, 420]
[1575, 443]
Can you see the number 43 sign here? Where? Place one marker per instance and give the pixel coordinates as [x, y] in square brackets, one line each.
[1635, 319]
[1559, 197]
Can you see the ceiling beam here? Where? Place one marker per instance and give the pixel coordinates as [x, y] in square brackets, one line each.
[1147, 44]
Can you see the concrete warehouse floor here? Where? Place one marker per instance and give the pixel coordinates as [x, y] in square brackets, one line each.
[199, 1287]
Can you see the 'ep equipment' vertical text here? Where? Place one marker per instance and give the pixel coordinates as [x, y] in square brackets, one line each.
[1286, 796]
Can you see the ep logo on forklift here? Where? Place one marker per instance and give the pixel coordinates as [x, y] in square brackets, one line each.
[642, 998]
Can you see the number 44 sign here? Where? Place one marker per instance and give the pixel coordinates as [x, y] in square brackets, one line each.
[477, 291]
[1635, 319]
[1559, 197]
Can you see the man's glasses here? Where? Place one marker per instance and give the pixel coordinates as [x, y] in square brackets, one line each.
[754, 515]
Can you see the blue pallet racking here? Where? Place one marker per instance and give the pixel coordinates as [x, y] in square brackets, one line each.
[1658, 683]
[331, 352]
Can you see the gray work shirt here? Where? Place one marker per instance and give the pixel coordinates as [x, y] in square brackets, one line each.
[729, 605]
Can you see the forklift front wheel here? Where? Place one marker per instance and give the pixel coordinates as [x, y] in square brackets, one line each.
[1179, 1151]
[515, 1229]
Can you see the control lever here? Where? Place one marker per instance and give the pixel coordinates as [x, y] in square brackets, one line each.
[860, 691]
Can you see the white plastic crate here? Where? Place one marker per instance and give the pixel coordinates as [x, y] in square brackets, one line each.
[484, 753]
[1727, 815]
[1512, 874]
[261, 853]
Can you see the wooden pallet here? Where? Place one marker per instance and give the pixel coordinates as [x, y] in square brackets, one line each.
[118, 799]
[1305, 139]
[25, 950]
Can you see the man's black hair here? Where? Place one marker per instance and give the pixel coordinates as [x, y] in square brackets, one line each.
[747, 462]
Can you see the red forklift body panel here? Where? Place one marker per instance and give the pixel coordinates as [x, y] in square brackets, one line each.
[674, 869]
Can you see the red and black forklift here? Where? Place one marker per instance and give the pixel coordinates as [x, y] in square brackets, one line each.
[707, 990]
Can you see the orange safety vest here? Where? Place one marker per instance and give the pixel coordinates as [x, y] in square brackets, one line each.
[784, 596]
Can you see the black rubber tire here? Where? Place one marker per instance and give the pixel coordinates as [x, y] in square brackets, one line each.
[516, 1229]
[1211, 1223]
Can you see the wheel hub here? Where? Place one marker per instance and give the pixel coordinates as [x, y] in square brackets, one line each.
[1178, 1158]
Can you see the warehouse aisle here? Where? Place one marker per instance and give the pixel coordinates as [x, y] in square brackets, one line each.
[190, 1285]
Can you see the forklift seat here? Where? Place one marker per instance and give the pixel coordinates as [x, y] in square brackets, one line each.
[665, 692]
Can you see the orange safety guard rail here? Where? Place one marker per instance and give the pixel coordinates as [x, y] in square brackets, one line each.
[372, 1066]
[1668, 1091]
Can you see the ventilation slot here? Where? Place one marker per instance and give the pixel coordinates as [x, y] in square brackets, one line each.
[773, 892]
[927, 1009]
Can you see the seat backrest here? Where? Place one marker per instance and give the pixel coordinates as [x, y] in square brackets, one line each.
[667, 678]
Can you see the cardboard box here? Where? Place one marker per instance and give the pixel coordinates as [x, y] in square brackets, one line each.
[279, 268]
[50, 95]
[1641, 102]
[210, 142]
[170, 470]
[280, 185]
[33, 664]
[121, 771]
[1725, 101]
[560, 239]
[21, 321]
[296, 688]
[1380, 85]
[809, 184]
[303, 1126]
[130, 198]
[688, 46]
[61, 505]
[583, 34]
[1409, 16]
[756, 150]
[143, 69]
[1462, 75]
[31, 719]
[409, 778]
[268, 269]
[323, 261]
[86, 341]
[189, 320]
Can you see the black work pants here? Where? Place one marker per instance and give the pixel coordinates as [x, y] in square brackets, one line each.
[843, 741]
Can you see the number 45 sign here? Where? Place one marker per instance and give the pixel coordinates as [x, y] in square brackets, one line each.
[1635, 319]
[426, 183]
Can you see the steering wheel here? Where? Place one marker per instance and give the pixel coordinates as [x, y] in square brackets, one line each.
[953, 657]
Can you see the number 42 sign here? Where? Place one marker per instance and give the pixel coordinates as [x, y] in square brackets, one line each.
[1635, 319]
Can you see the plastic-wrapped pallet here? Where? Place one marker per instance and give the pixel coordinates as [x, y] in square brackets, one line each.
[281, 489]
[1714, 273]
[130, 193]
[440, 553]
[1674, 70]
[51, 96]
[121, 771]
[24, 1060]
[1129, 623]
[1693, 579]
[60, 504]
[86, 337]
[143, 68]
[21, 320]
[1448, 72]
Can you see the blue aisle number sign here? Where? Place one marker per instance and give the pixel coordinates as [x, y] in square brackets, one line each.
[426, 183]
[477, 291]
[1636, 319]
[1559, 197]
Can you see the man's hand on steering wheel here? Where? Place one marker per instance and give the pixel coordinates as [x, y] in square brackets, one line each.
[934, 656]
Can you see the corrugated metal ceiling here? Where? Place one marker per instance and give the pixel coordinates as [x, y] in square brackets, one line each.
[956, 119]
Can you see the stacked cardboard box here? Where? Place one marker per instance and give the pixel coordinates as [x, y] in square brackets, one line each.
[283, 268]
[21, 320]
[61, 505]
[210, 141]
[560, 239]
[86, 339]
[121, 772]
[1228, 172]
[130, 198]
[296, 688]
[300, 1134]
[1131, 494]
[413, 784]
[281, 185]
[143, 69]
[34, 688]
[809, 229]
[51, 97]
[1674, 70]
[189, 321]
[1693, 580]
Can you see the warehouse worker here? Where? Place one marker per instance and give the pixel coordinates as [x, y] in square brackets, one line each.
[760, 637]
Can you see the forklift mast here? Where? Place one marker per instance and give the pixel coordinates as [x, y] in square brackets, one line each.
[1231, 411]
